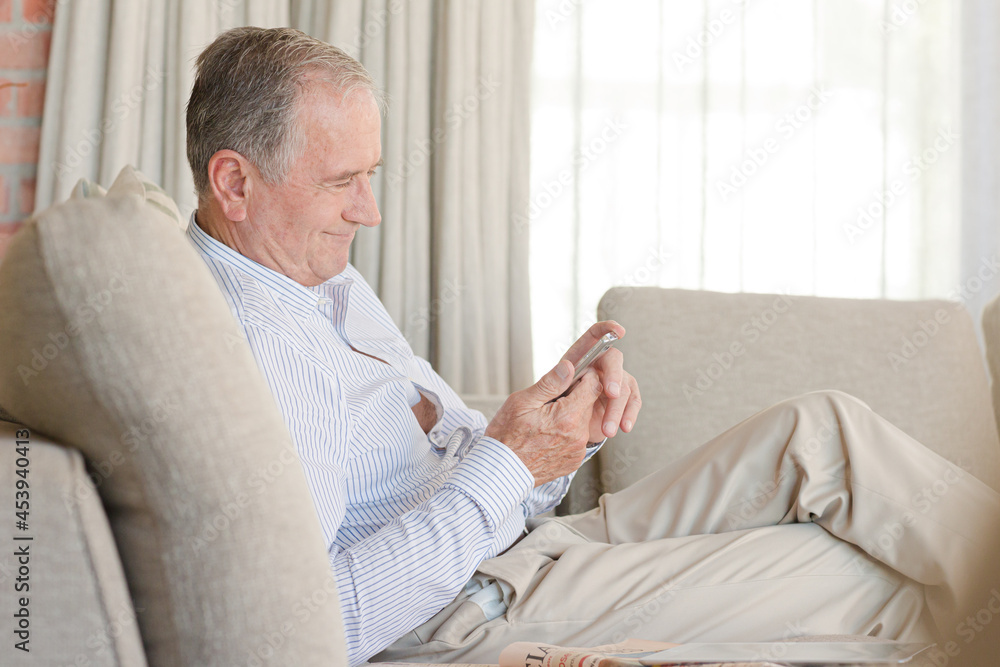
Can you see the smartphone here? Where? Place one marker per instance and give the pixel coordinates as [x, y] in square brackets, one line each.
[606, 342]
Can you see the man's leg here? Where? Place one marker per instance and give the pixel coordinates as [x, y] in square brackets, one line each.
[765, 584]
[646, 562]
[825, 458]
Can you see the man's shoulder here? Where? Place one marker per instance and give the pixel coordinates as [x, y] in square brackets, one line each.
[247, 299]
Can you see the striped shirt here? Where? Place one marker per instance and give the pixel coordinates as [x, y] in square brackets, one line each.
[407, 516]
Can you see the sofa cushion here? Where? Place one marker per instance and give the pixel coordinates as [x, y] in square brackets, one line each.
[78, 608]
[706, 360]
[118, 342]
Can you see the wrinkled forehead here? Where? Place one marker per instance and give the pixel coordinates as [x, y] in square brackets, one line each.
[325, 105]
[338, 132]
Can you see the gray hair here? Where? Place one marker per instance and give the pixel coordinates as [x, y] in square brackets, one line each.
[245, 96]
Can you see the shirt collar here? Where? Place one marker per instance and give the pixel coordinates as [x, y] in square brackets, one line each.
[301, 299]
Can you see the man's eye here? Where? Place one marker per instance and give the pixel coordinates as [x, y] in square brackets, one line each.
[371, 173]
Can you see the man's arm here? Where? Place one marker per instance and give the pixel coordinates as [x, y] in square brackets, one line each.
[455, 414]
[399, 577]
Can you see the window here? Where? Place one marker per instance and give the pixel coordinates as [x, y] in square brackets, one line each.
[789, 146]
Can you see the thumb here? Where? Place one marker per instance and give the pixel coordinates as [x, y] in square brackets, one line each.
[553, 383]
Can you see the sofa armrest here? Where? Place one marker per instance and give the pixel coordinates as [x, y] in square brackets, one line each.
[79, 610]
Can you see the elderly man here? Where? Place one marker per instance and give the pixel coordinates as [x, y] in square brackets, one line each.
[428, 509]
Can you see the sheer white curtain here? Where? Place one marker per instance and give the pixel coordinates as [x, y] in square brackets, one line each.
[447, 260]
[794, 146]
[980, 147]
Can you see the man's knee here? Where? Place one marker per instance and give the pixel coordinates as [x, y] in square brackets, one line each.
[819, 418]
[825, 401]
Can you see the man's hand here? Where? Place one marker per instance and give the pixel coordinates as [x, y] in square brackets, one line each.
[620, 402]
[549, 438]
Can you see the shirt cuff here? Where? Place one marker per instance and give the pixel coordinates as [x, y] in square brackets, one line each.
[592, 448]
[492, 474]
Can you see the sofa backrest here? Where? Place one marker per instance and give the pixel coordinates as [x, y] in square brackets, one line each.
[117, 342]
[705, 361]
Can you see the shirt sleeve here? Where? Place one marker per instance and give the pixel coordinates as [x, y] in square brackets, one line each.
[457, 414]
[401, 575]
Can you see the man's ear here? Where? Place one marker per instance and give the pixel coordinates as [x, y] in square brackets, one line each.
[228, 174]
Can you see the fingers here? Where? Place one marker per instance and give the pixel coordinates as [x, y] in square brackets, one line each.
[623, 402]
[609, 367]
[595, 428]
[589, 339]
[622, 411]
[632, 407]
[586, 391]
[617, 387]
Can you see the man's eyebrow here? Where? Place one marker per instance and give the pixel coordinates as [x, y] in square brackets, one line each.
[344, 175]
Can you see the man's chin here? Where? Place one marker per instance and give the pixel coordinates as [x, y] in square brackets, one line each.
[319, 275]
[333, 270]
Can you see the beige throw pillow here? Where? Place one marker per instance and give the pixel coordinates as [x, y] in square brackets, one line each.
[116, 341]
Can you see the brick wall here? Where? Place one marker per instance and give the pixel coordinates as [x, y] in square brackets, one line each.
[25, 35]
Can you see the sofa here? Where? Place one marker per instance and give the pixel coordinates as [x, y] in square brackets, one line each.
[164, 518]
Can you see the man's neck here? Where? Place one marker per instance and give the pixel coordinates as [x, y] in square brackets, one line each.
[213, 223]
[204, 219]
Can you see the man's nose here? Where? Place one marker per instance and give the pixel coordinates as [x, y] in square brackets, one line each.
[363, 208]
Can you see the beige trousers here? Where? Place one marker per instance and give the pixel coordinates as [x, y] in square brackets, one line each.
[815, 516]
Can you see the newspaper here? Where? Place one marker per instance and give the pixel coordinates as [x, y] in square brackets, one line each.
[624, 654]
[644, 653]
[629, 653]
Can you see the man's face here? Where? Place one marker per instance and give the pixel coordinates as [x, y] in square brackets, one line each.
[303, 227]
